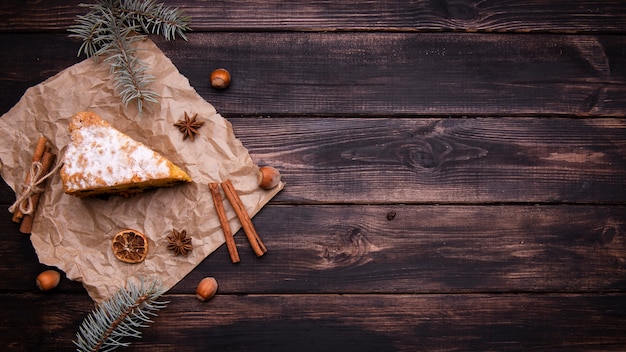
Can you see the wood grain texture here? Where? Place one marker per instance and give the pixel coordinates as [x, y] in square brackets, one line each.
[455, 177]
[437, 161]
[384, 74]
[586, 16]
[467, 160]
[445, 322]
[407, 73]
[424, 249]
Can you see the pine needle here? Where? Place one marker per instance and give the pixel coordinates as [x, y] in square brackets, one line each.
[120, 317]
[156, 18]
[110, 29]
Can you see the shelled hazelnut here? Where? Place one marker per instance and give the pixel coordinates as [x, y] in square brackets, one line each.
[220, 78]
[268, 177]
[48, 280]
[206, 289]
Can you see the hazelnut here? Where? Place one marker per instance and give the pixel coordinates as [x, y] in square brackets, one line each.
[268, 177]
[206, 289]
[220, 78]
[48, 280]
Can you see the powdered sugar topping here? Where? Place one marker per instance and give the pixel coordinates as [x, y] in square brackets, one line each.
[101, 156]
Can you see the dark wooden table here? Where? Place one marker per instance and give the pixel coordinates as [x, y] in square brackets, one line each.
[456, 177]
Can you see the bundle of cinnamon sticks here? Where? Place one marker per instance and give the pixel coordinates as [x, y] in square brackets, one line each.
[32, 188]
[253, 237]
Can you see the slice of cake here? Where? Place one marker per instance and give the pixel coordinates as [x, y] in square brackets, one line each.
[102, 160]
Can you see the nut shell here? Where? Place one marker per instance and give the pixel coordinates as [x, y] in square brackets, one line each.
[206, 289]
[220, 78]
[269, 177]
[47, 280]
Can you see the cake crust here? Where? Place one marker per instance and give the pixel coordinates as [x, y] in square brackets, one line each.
[101, 160]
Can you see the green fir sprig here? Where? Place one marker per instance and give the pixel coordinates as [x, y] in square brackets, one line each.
[110, 29]
[121, 316]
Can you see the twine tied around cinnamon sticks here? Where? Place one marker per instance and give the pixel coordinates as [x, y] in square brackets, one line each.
[39, 171]
[25, 202]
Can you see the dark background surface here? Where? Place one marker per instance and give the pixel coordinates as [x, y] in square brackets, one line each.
[493, 131]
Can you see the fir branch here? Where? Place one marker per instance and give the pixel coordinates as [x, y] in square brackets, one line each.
[111, 27]
[119, 317]
[129, 73]
[156, 18]
[90, 29]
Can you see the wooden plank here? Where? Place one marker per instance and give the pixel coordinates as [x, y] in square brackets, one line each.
[384, 74]
[407, 73]
[607, 16]
[453, 160]
[339, 249]
[339, 322]
[7, 197]
[405, 160]
[423, 249]
[30, 60]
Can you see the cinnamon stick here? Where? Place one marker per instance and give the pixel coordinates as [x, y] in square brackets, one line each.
[253, 237]
[221, 214]
[40, 149]
[27, 221]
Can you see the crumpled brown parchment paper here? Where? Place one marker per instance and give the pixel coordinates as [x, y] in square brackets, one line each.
[75, 234]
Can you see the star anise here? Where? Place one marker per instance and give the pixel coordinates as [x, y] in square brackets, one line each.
[189, 126]
[179, 242]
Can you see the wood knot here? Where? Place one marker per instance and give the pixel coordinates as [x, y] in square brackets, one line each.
[611, 239]
[607, 235]
[348, 247]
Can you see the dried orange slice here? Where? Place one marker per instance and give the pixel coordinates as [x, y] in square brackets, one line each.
[130, 246]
